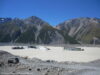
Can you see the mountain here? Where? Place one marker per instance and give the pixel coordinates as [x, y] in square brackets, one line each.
[3, 20]
[84, 30]
[31, 30]
[35, 30]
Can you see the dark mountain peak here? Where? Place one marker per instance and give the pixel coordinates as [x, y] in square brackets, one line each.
[33, 20]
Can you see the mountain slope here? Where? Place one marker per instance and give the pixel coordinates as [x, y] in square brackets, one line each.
[9, 31]
[82, 29]
[32, 30]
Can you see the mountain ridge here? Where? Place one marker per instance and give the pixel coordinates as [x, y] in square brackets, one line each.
[35, 30]
[82, 29]
[31, 30]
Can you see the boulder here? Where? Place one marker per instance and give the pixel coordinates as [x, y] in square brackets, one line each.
[13, 61]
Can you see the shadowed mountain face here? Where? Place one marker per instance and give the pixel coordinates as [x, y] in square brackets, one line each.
[31, 30]
[85, 30]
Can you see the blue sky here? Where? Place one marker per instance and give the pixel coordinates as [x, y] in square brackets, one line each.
[52, 11]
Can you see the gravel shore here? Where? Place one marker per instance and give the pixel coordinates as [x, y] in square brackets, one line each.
[35, 66]
[49, 60]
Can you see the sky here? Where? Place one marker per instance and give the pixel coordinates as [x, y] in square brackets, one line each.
[51, 11]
